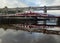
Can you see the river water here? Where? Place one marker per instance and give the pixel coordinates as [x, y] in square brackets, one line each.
[13, 36]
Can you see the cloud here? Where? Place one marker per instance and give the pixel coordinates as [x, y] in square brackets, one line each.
[25, 3]
[38, 2]
[34, 2]
[29, 2]
[25, 37]
[56, 3]
[45, 2]
[11, 3]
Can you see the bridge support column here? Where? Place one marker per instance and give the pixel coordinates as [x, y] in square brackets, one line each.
[45, 9]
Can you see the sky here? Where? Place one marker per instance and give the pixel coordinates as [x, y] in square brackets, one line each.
[26, 3]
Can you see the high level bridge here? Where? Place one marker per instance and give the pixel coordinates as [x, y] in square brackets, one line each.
[7, 10]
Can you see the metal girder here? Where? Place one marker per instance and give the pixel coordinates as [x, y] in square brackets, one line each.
[42, 8]
[37, 8]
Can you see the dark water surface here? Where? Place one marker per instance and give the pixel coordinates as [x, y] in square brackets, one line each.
[13, 36]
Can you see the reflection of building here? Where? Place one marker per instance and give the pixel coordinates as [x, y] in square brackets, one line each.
[51, 21]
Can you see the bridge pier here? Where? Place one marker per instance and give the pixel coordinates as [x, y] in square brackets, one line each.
[45, 9]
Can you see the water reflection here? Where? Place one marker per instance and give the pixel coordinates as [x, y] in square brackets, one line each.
[13, 36]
